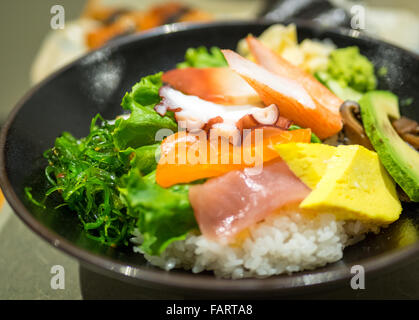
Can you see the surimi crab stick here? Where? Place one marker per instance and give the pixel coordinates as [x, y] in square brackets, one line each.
[275, 63]
[292, 98]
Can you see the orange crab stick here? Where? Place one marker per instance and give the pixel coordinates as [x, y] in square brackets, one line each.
[273, 62]
[186, 157]
[290, 95]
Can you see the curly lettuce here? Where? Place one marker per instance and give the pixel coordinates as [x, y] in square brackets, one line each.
[164, 215]
[144, 122]
[202, 58]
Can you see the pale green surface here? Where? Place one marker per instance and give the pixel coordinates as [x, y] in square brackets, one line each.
[23, 25]
[26, 261]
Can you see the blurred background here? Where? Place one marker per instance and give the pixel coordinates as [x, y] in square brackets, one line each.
[32, 49]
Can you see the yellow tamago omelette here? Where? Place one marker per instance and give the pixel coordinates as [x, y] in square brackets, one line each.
[308, 161]
[353, 185]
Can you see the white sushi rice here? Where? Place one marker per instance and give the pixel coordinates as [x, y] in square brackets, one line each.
[282, 243]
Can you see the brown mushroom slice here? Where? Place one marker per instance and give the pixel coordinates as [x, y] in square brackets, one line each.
[411, 139]
[405, 125]
[352, 127]
[408, 130]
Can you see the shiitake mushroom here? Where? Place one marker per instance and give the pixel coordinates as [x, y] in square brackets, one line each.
[352, 127]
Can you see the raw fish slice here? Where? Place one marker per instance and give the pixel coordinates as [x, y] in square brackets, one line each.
[226, 205]
[293, 101]
[181, 151]
[219, 85]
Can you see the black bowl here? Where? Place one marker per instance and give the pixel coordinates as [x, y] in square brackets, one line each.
[96, 83]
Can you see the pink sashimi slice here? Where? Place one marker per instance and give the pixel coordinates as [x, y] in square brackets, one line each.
[219, 85]
[228, 204]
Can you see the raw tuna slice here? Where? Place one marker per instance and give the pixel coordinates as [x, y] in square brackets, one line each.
[230, 203]
[219, 85]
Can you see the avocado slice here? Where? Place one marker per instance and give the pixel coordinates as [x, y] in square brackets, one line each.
[400, 159]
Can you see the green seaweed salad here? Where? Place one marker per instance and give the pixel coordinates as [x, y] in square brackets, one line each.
[108, 177]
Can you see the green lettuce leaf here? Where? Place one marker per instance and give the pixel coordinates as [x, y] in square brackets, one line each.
[202, 58]
[163, 215]
[146, 92]
[141, 127]
[146, 158]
